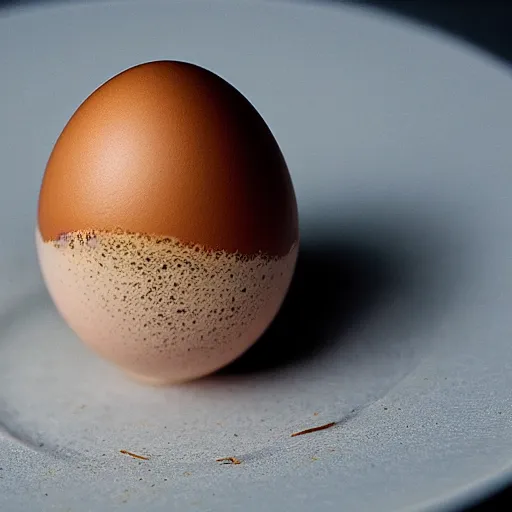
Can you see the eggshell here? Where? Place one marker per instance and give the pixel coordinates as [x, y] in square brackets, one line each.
[167, 222]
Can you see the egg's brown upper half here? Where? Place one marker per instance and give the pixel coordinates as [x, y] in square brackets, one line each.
[169, 148]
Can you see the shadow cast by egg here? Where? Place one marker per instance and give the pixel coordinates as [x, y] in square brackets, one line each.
[393, 266]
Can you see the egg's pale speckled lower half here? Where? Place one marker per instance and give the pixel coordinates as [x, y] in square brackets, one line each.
[163, 311]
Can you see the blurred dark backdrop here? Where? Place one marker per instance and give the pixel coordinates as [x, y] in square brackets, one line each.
[485, 23]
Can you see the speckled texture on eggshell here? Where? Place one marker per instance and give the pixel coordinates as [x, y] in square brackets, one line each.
[164, 311]
[193, 218]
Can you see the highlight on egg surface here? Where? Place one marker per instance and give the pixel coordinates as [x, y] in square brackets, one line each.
[167, 224]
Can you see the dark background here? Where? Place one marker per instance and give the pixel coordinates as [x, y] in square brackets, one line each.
[485, 23]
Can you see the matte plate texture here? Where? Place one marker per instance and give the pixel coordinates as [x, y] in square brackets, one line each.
[398, 324]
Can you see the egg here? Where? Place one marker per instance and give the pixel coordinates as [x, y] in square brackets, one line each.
[167, 229]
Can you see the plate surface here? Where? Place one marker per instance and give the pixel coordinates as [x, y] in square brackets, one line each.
[397, 325]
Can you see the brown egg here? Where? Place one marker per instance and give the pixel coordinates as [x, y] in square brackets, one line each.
[167, 225]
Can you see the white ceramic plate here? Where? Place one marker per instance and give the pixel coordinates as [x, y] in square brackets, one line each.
[398, 325]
